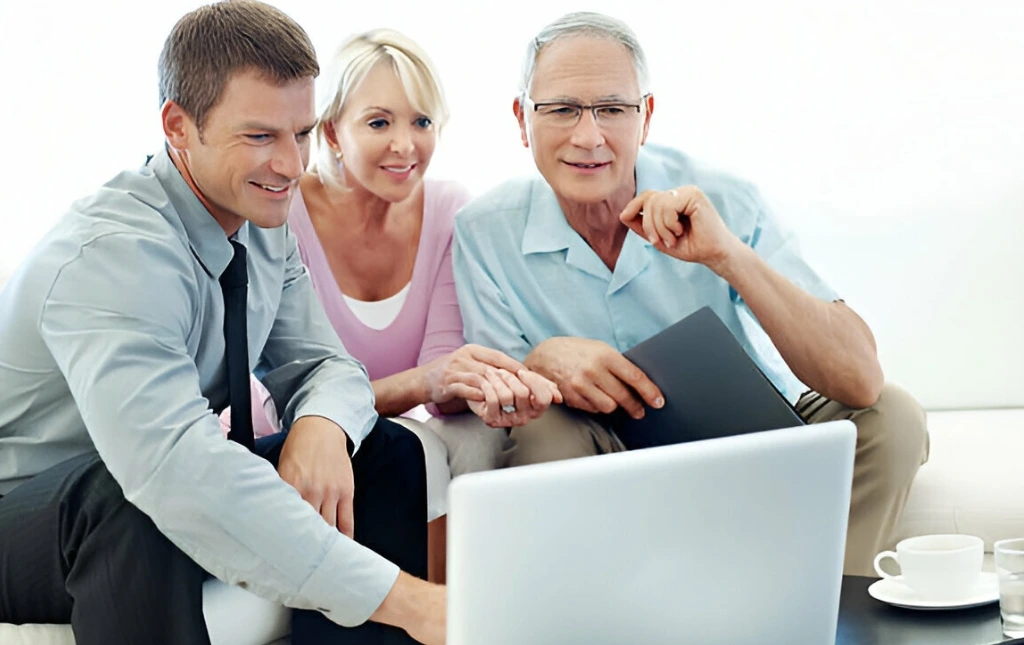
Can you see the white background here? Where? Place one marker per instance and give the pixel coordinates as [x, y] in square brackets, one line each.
[889, 134]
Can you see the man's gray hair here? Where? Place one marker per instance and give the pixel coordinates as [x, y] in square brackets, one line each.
[585, 23]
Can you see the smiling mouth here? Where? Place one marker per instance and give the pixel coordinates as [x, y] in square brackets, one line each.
[588, 166]
[398, 170]
[268, 187]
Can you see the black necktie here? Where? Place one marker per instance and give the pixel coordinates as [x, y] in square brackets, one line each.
[234, 283]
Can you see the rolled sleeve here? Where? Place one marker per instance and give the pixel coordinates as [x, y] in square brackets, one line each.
[780, 248]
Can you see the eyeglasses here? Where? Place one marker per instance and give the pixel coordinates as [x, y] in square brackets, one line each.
[566, 114]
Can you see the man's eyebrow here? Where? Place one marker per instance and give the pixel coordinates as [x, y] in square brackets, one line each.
[256, 125]
[608, 98]
[559, 99]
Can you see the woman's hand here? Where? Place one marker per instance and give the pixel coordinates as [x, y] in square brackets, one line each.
[497, 388]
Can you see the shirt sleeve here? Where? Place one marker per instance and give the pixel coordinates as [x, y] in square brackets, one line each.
[443, 333]
[304, 365]
[780, 248]
[116, 321]
[487, 318]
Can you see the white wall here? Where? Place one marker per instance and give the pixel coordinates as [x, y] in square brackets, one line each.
[889, 134]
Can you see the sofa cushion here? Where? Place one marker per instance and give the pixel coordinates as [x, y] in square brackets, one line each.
[234, 617]
[971, 483]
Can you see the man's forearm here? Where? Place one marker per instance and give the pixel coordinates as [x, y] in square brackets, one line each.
[826, 344]
[334, 387]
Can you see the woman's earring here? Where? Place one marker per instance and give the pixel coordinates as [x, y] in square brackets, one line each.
[337, 155]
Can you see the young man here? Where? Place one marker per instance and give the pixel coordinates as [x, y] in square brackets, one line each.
[133, 322]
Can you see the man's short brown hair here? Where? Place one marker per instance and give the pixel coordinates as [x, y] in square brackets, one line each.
[213, 42]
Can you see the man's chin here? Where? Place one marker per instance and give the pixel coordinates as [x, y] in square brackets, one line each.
[583, 192]
[269, 220]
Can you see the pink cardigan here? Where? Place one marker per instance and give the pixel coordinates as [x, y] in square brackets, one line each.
[428, 326]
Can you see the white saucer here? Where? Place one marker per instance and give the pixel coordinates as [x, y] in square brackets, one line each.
[896, 593]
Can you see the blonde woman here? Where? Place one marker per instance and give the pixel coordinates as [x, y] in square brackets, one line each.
[376, 237]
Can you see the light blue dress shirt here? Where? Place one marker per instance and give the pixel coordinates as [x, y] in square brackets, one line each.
[523, 275]
[111, 339]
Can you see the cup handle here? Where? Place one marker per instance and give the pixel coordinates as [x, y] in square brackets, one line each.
[878, 560]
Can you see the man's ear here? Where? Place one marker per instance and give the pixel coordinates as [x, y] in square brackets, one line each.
[517, 109]
[649, 102]
[177, 125]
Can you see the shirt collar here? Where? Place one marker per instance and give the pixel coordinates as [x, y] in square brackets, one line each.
[205, 236]
[546, 227]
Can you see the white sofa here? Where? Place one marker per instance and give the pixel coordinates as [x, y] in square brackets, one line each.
[971, 483]
[264, 622]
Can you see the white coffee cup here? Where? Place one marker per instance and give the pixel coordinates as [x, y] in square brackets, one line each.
[937, 566]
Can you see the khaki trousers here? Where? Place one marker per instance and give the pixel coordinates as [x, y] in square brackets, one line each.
[892, 443]
[453, 446]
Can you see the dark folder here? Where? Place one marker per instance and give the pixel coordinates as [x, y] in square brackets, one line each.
[712, 387]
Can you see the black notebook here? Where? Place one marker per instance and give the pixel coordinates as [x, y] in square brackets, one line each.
[712, 387]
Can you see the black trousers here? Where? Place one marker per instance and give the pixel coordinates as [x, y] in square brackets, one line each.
[73, 550]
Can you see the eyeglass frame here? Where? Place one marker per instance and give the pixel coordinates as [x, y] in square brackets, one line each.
[592, 107]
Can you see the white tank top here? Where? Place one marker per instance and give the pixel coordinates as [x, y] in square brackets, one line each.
[380, 314]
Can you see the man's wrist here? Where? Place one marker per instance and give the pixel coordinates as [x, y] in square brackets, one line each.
[734, 263]
[400, 607]
[534, 361]
[350, 445]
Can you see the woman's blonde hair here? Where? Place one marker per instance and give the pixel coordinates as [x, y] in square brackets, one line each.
[354, 59]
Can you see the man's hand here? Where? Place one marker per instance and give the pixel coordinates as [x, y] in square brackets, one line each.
[315, 461]
[418, 607]
[593, 376]
[682, 223]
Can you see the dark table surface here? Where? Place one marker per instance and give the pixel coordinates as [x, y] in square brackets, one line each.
[866, 621]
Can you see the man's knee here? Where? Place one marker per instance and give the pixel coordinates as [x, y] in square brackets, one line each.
[894, 430]
[560, 433]
[401, 450]
[471, 444]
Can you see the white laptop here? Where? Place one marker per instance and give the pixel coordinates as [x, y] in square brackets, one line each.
[719, 542]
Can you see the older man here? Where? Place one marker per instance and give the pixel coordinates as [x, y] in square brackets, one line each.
[619, 239]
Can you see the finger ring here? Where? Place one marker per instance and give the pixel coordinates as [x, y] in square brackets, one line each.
[508, 409]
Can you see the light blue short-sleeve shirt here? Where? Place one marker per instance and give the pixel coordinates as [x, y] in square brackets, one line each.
[523, 275]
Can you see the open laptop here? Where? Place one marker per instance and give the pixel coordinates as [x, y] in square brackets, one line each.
[712, 387]
[720, 542]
